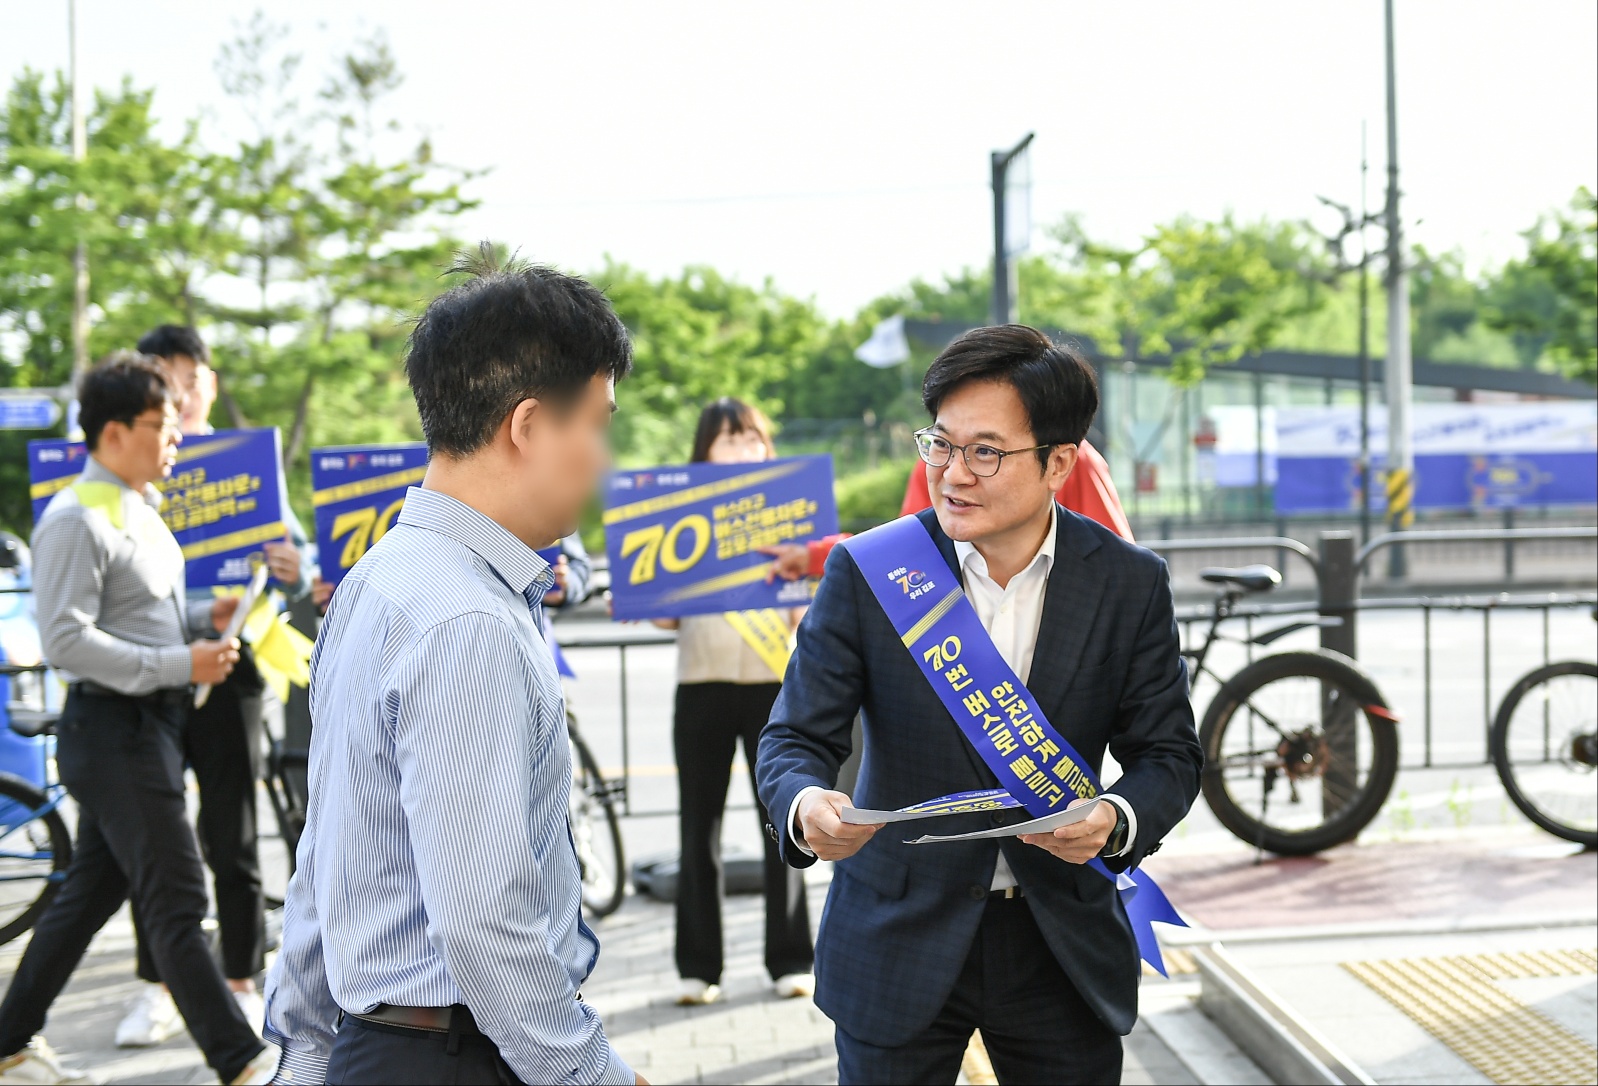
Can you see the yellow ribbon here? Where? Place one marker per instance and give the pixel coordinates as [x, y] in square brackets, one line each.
[102, 497]
[767, 632]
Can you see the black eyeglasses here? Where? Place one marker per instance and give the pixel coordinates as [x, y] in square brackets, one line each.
[983, 460]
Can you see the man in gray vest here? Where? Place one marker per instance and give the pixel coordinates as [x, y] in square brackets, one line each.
[108, 585]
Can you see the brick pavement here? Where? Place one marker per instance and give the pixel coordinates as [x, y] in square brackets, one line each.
[749, 1037]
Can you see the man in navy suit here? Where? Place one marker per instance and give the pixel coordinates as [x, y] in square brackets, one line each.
[1017, 937]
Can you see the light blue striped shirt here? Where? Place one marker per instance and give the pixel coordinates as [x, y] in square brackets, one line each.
[437, 864]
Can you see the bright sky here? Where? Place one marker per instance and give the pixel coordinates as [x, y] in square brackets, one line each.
[842, 148]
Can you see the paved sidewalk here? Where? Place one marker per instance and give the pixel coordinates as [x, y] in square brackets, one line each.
[751, 1036]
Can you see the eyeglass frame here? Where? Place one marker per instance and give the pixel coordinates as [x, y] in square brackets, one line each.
[163, 426]
[966, 456]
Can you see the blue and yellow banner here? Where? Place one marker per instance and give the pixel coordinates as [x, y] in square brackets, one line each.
[686, 540]
[358, 490]
[222, 500]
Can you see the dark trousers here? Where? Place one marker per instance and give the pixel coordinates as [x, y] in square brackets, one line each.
[1035, 1025]
[122, 760]
[711, 719]
[222, 741]
[371, 1052]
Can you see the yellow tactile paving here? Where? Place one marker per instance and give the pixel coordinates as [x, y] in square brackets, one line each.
[1456, 1001]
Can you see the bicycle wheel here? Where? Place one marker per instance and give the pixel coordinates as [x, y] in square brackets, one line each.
[596, 831]
[35, 849]
[1311, 722]
[1544, 746]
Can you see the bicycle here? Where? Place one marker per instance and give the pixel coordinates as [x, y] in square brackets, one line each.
[35, 844]
[1293, 719]
[596, 827]
[1544, 745]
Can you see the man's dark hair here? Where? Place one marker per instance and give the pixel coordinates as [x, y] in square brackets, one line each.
[120, 389]
[511, 332]
[1056, 385]
[171, 340]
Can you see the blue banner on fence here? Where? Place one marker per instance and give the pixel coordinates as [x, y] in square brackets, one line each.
[1467, 456]
[358, 491]
[221, 501]
[685, 540]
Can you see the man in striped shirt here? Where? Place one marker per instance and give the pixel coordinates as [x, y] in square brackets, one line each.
[434, 928]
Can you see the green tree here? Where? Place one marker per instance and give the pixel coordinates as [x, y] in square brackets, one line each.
[1550, 298]
[698, 336]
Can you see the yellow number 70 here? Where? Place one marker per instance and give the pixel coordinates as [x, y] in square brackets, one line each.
[659, 541]
[362, 525]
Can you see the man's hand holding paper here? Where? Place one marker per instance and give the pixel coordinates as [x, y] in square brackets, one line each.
[1078, 842]
[821, 826]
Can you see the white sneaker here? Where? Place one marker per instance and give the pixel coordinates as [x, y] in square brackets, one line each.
[692, 992]
[38, 1063]
[152, 1018]
[254, 1008]
[261, 1070]
[794, 985]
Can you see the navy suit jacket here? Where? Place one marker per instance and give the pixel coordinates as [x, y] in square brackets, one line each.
[900, 919]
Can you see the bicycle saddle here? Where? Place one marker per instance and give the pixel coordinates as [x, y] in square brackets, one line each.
[1256, 578]
[31, 722]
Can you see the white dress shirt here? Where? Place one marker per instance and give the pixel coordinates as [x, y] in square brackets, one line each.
[1011, 615]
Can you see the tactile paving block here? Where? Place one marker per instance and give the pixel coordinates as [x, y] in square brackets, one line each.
[1456, 1001]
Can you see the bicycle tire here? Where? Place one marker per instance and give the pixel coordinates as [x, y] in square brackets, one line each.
[1328, 667]
[1498, 747]
[21, 792]
[588, 768]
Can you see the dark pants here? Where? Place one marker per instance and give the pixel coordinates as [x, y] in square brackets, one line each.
[370, 1052]
[122, 760]
[222, 742]
[1035, 1025]
[711, 719]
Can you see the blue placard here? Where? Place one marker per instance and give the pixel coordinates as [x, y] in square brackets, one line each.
[358, 491]
[684, 540]
[221, 501]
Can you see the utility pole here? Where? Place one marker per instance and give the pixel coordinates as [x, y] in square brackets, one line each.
[1400, 450]
[80, 260]
[1364, 353]
[1006, 293]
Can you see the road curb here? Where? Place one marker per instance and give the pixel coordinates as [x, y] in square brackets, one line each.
[1205, 937]
[1285, 1047]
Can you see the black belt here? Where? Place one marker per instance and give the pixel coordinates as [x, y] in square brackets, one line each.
[456, 1019]
[172, 695]
[1007, 893]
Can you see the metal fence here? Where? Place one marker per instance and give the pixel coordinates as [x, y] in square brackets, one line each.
[1337, 570]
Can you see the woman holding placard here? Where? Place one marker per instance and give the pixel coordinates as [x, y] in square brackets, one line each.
[727, 680]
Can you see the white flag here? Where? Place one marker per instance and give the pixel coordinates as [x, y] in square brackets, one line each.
[887, 345]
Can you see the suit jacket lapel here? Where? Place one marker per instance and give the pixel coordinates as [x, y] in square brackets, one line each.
[1070, 604]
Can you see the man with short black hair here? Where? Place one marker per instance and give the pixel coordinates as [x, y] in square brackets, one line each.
[108, 587]
[1063, 625]
[437, 907]
[222, 742]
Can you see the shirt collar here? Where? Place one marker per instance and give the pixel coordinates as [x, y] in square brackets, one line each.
[519, 565]
[971, 559]
[96, 472]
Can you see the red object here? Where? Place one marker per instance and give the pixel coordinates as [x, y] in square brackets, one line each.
[819, 549]
[1088, 490]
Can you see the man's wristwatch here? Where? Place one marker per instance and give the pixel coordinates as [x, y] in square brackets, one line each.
[1117, 839]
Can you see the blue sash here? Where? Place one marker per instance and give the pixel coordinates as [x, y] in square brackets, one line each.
[993, 708]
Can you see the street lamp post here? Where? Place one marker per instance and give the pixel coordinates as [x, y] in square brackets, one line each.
[1400, 450]
[80, 259]
[1006, 301]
